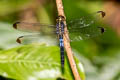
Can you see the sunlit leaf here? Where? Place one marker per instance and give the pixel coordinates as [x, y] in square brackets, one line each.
[35, 62]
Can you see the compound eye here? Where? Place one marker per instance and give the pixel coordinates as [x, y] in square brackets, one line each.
[63, 17]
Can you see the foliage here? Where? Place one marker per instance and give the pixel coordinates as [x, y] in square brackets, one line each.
[35, 62]
[100, 56]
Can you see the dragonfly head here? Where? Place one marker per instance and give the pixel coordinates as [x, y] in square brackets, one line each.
[60, 18]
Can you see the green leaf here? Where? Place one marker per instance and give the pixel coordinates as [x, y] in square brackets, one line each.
[35, 62]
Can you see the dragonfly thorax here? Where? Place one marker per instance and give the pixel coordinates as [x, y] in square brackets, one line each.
[60, 28]
[60, 18]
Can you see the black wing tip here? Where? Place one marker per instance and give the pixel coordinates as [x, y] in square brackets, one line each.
[102, 29]
[19, 39]
[102, 13]
[15, 25]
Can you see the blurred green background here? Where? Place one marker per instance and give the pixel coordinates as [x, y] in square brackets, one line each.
[100, 56]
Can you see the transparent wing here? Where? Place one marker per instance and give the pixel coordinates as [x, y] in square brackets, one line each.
[85, 27]
[28, 39]
[34, 27]
[35, 38]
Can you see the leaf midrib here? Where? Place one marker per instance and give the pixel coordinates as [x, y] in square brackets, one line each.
[29, 61]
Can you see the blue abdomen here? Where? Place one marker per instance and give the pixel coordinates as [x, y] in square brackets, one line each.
[61, 50]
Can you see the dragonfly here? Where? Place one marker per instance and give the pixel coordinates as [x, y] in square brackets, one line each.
[78, 29]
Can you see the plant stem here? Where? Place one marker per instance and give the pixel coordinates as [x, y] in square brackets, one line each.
[67, 42]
